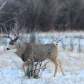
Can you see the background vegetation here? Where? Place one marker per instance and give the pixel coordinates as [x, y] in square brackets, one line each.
[43, 15]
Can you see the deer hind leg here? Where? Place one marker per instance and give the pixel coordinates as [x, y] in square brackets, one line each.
[60, 65]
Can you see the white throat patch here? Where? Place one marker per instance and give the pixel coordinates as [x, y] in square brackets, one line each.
[14, 50]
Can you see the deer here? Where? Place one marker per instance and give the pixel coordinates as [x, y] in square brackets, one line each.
[44, 51]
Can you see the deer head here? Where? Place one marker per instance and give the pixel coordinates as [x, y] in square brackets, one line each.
[12, 43]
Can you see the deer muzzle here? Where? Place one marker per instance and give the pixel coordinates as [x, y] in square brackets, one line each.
[8, 48]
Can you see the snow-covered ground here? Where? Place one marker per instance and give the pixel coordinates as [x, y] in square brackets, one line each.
[11, 71]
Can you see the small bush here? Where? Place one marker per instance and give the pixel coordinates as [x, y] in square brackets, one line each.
[34, 68]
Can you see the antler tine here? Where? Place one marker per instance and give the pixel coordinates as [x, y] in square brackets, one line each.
[7, 37]
[14, 32]
[16, 24]
[11, 26]
[8, 33]
[17, 28]
[6, 30]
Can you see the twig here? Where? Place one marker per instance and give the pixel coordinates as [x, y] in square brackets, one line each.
[8, 13]
[7, 21]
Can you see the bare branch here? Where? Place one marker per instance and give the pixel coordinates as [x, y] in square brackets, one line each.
[3, 4]
[59, 40]
[7, 21]
[8, 13]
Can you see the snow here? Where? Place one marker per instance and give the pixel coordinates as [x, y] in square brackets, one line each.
[11, 71]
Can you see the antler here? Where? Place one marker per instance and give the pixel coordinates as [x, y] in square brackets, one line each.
[5, 35]
[16, 34]
[8, 31]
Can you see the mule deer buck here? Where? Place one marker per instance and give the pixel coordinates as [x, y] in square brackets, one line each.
[25, 50]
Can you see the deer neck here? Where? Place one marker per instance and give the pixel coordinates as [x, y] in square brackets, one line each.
[20, 48]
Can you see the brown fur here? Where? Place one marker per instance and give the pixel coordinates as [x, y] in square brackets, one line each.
[49, 51]
[41, 53]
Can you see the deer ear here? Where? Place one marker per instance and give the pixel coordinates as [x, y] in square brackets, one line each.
[17, 41]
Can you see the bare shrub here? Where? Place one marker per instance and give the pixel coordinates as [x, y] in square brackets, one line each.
[34, 68]
[71, 44]
[63, 45]
[79, 46]
[32, 38]
[79, 36]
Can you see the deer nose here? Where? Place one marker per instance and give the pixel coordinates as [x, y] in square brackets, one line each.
[8, 48]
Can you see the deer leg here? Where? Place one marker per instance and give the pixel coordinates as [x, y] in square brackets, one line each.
[25, 65]
[60, 64]
[56, 67]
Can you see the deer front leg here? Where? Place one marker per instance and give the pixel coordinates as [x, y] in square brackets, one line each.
[24, 67]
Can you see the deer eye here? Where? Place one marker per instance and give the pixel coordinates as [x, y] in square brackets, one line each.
[11, 43]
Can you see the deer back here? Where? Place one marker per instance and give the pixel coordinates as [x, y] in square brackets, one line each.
[40, 52]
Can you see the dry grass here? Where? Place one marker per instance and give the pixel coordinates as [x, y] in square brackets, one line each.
[72, 61]
[63, 32]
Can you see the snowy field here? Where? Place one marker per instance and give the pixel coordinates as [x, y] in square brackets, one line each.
[71, 54]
